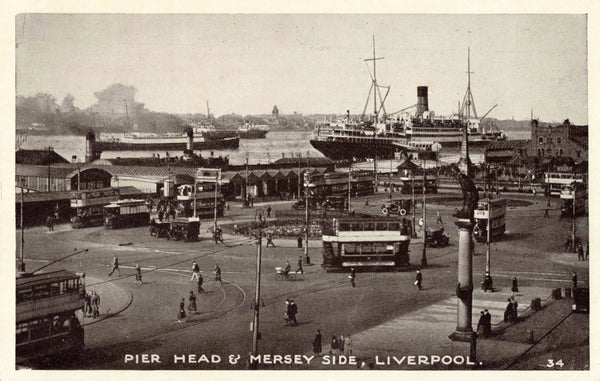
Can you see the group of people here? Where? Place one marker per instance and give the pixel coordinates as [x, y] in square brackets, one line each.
[196, 276]
[341, 345]
[166, 209]
[91, 304]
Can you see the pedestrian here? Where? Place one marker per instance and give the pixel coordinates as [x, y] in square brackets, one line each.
[292, 313]
[587, 251]
[352, 276]
[439, 218]
[342, 343]
[227, 206]
[348, 345]
[218, 236]
[218, 274]
[574, 279]
[138, 274]
[481, 324]
[200, 281]
[181, 313]
[195, 271]
[515, 285]
[87, 305]
[421, 223]
[546, 212]
[192, 306]
[50, 223]
[95, 300]
[300, 265]
[286, 313]
[488, 323]
[335, 346]
[299, 239]
[115, 266]
[317, 349]
[270, 240]
[268, 211]
[419, 280]
[568, 244]
[580, 255]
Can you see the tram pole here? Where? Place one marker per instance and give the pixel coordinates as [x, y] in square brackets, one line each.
[22, 264]
[217, 177]
[255, 322]
[414, 205]
[306, 225]
[424, 255]
[349, 185]
[574, 248]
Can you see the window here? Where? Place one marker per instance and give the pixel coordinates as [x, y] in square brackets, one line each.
[559, 140]
[541, 140]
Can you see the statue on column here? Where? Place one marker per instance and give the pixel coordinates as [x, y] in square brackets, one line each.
[470, 196]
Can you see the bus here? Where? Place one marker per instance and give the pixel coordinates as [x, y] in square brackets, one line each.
[373, 242]
[573, 194]
[205, 200]
[490, 214]
[89, 206]
[46, 308]
[555, 181]
[126, 213]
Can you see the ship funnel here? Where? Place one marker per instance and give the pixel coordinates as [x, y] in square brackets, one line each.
[189, 152]
[90, 149]
[422, 101]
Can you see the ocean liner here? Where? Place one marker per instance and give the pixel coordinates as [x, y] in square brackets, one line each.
[138, 141]
[381, 135]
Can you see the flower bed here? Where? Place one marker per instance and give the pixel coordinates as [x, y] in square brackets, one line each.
[285, 228]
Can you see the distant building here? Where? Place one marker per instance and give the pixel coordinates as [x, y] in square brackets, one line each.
[559, 141]
[39, 157]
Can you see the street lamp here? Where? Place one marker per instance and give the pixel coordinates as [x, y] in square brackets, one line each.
[424, 254]
[255, 322]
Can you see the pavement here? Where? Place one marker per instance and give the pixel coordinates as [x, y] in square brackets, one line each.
[424, 333]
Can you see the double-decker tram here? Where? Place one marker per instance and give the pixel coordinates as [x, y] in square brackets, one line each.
[46, 321]
[89, 206]
[556, 181]
[489, 215]
[418, 181]
[573, 196]
[327, 190]
[372, 242]
[203, 200]
[126, 213]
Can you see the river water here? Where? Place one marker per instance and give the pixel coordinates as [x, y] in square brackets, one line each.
[259, 151]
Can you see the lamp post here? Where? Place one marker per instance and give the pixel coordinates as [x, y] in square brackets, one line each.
[217, 179]
[414, 205]
[573, 222]
[307, 226]
[255, 322]
[349, 186]
[246, 188]
[424, 254]
[22, 259]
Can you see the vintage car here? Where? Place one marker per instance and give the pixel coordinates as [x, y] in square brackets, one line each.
[401, 207]
[436, 237]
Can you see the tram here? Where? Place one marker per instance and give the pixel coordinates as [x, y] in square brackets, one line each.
[204, 200]
[327, 190]
[126, 213]
[573, 194]
[89, 206]
[374, 242]
[407, 183]
[46, 321]
[556, 181]
[490, 214]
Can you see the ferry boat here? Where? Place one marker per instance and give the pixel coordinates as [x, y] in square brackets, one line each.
[382, 135]
[140, 141]
[247, 131]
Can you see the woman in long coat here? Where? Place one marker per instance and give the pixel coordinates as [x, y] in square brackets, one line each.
[181, 314]
[317, 349]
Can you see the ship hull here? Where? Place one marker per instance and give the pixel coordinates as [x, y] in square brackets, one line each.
[251, 134]
[229, 143]
[384, 149]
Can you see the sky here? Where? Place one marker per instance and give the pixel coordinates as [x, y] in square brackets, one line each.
[246, 64]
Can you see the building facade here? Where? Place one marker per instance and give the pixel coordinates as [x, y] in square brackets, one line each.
[559, 141]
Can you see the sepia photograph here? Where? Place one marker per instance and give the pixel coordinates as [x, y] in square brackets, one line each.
[296, 191]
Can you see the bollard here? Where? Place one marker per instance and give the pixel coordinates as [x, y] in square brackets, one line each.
[556, 294]
[530, 339]
[536, 304]
[567, 292]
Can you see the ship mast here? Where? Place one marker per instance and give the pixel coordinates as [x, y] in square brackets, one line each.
[468, 99]
[374, 86]
[126, 113]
